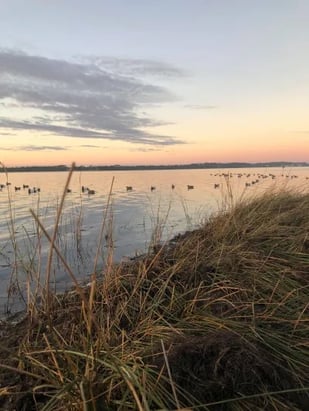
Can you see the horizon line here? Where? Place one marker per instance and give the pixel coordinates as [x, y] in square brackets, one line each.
[214, 164]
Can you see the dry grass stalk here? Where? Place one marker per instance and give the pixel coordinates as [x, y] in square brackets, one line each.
[225, 304]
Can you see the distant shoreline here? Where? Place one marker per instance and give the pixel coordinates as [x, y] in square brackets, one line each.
[192, 166]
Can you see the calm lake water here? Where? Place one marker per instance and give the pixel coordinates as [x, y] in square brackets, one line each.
[134, 220]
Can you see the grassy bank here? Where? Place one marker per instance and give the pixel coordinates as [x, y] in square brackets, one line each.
[216, 319]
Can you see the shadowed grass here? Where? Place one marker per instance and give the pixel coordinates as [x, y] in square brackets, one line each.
[215, 319]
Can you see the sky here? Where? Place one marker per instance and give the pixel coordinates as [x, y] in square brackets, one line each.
[103, 82]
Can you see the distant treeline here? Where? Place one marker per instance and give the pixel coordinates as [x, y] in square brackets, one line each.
[157, 167]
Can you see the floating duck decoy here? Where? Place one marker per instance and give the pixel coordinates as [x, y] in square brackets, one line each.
[129, 188]
[190, 187]
[34, 190]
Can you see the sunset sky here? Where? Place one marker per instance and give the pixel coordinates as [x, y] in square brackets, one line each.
[153, 81]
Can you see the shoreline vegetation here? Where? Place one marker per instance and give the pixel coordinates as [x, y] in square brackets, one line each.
[214, 319]
[117, 167]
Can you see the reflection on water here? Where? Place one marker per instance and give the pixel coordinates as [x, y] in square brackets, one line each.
[159, 206]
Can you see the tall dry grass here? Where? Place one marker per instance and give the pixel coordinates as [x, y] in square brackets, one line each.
[215, 319]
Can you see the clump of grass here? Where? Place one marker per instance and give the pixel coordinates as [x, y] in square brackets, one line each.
[216, 319]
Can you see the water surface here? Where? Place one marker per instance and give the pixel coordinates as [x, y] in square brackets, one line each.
[134, 220]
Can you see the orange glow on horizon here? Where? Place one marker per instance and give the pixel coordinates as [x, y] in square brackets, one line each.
[204, 144]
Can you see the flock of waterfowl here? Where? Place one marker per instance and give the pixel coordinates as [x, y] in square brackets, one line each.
[254, 178]
[84, 189]
[24, 187]
[257, 177]
[153, 188]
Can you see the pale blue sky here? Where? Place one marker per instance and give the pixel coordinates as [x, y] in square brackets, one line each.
[237, 62]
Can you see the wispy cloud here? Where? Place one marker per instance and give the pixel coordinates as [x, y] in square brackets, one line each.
[145, 149]
[91, 99]
[133, 67]
[35, 148]
[91, 146]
